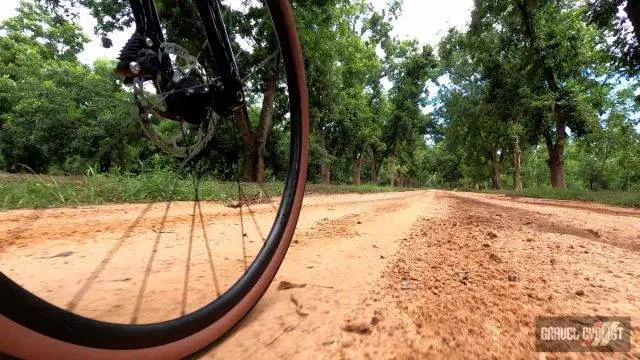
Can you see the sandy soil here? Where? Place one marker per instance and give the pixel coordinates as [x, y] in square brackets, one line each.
[404, 275]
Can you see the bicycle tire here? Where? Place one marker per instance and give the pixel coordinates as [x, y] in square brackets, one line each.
[33, 328]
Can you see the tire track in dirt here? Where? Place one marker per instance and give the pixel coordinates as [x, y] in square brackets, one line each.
[92, 221]
[23, 224]
[571, 204]
[469, 285]
[618, 228]
[338, 260]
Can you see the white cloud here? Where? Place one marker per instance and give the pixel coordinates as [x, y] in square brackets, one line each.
[429, 20]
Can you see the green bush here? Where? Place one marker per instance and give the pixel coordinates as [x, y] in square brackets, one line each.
[617, 198]
[34, 191]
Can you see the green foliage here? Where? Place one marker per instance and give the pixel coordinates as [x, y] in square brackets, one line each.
[57, 114]
[25, 191]
[624, 49]
[529, 78]
[617, 198]
[528, 73]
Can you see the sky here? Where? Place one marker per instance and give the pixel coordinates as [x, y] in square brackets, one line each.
[429, 20]
[94, 49]
[425, 20]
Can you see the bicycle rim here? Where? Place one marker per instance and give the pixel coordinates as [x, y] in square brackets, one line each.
[32, 328]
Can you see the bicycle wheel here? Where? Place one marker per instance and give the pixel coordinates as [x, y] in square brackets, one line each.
[31, 326]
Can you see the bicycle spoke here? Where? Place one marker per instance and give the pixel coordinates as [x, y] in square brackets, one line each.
[264, 190]
[242, 233]
[261, 65]
[253, 217]
[209, 253]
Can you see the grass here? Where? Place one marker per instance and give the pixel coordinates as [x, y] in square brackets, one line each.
[616, 198]
[32, 191]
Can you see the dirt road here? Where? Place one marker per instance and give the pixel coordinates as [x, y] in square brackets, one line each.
[422, 274]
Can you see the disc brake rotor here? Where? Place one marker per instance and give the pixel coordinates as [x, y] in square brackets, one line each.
[184, 62]
[151, 103]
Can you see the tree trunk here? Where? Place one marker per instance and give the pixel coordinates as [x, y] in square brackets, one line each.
[556, 150]
[264, 125]
[517, 178]
[357, 167]
[249, 151]
[517, 161]
[393, 171]
[556, 169]
[250, 164]
[260, 167]
[254, 166]
[406, 182]
[625, 185]
[325, 173]
[374, 167]
[495, 170]
[254, 142]
[633, 13]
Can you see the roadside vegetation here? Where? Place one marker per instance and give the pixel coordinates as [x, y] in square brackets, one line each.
[608, 197]
[34, 191]
[531, 95]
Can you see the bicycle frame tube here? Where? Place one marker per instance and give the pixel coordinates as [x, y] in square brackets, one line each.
[148, 23]
[218, 38]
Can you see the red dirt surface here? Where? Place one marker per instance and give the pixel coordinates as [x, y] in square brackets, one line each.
[404, 275]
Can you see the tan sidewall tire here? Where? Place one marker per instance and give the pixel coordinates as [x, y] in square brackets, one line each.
[22, 342]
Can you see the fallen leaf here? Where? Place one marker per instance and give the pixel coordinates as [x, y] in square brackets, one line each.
[285, 285]
[298, 306]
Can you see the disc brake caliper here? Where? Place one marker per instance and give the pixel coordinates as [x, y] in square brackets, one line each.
[141, 57]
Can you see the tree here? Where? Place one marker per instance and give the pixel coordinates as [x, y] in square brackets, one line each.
[481, 107]
[56, 112]
[563, 60]
[414, 66]
[625, 31]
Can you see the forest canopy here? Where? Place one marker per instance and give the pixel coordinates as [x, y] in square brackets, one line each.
[533, 93]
